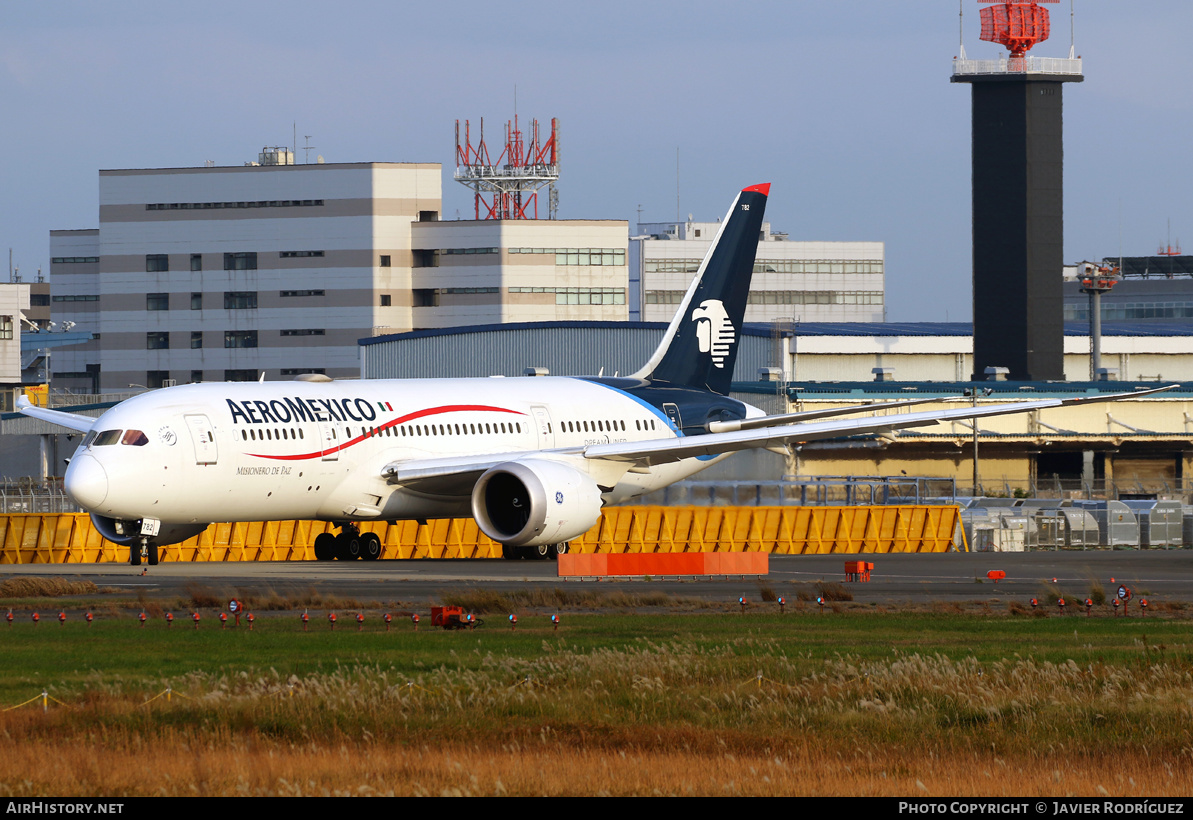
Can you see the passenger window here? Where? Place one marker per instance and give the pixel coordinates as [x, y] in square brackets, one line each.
[107, 437]
[135, 438]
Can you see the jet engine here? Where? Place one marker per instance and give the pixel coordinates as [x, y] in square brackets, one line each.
[126, 531]
[531, 502]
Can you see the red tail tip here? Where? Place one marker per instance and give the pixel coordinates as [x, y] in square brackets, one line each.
[763, 189]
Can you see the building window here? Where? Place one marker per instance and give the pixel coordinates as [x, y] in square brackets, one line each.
[156, 262]
[73, 260]
[240, 375]
[470, 251]
[426, 259]
[583, 256]
[158, 340]
[300, 293]
[196, 339]
[304, 332]
[76, 297]
[299, 254]
[157, 301]
[196, 261]
[204, 206]
[240, 261]
[157, 378]
[196, 376]
[196, 301]
[385, 261]
[240, 300]
[386, 300]
[298, 371]
[425, 297]
[428, 216]
[39, 300]
[240, 338]
[580, 296]
[5, 327]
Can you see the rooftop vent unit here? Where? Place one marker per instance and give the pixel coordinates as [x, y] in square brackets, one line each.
[275, 155]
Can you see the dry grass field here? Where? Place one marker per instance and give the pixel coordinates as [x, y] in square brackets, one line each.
[656, 696]
[846, 703]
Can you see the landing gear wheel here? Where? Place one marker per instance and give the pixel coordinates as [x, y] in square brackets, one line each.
[348, 545]
[134, 555]
[509, 553]
[541, 552]
[325, 546]
[152, 550]
[561, 548]
[370, 546]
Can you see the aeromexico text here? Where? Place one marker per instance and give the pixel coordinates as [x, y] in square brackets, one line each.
[286, 410]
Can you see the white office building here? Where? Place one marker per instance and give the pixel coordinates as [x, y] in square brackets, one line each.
[793, 281]
[519, 270]
[227, 273]
[14, 300]
[276, 269]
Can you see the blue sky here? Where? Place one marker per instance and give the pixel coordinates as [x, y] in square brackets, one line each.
[846, 108]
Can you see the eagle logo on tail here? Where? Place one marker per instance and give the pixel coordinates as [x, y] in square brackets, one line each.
[714, 331]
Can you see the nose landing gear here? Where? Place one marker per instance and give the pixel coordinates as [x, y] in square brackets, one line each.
[146, 551]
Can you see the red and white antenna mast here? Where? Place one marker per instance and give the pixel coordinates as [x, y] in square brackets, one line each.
[508, 188]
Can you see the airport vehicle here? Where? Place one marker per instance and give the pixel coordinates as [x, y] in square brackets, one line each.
[533, 460]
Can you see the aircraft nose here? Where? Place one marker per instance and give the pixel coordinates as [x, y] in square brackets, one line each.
[86, 482]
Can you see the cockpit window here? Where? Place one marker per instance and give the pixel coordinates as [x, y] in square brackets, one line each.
[87, 439]
[134, 437]
[106, 437]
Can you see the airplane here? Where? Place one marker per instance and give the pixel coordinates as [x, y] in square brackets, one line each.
[532, 460]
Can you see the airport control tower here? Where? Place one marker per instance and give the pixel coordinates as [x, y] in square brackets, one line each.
[1018, 194]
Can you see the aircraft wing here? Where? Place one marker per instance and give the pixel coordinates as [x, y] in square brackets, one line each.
[453, 475]
[809, 415]
[456, 475]
[73, 421]
[668, 450]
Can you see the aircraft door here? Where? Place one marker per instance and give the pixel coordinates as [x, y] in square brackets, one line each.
[542, 423]
[672, 412]
[203, 437]
[329, 441]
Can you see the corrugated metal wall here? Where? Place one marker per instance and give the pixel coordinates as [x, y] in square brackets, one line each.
[564, 350]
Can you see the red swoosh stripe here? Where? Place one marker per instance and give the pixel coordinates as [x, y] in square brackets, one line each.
[418, 414]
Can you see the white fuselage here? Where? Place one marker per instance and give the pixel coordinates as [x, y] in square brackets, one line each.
[281, 450]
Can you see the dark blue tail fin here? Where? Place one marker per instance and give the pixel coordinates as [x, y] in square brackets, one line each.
[699, 348]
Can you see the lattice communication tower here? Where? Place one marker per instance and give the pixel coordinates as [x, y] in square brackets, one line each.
[508, 188]
[1018, 26]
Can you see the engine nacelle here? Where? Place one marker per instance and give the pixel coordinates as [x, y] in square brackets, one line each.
[125, 531]
[531, 502]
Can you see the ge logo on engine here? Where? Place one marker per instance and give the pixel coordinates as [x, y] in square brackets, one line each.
[559, 498]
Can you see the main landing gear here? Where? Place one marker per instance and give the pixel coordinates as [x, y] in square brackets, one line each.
[542, 551]
[349, 545]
